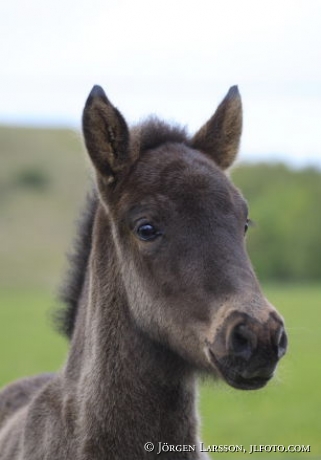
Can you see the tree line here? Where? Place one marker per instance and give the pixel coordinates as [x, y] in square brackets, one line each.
[284, 241]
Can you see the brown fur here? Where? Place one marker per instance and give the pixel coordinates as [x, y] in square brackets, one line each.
[166, 292]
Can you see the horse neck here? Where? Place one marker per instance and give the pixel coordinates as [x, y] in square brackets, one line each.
[130, 389]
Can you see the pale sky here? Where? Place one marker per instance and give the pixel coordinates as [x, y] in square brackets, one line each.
[175, 58]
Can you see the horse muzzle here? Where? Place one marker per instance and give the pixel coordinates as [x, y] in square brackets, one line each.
[246, 351]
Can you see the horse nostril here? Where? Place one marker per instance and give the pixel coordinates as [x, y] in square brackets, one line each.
[242, 342]
[281, 343]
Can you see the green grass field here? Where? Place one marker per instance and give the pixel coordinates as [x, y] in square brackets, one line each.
[287, 412]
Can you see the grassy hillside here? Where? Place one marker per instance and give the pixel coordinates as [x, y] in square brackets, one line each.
[44, 175]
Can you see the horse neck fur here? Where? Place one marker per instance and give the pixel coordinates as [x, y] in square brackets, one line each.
[120, 377]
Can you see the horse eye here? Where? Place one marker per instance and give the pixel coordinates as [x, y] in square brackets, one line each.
[147, 232]
[246, 227]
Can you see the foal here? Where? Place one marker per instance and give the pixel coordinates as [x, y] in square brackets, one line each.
[164, 291]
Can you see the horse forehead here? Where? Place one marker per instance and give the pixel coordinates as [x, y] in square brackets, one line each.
[175, 170]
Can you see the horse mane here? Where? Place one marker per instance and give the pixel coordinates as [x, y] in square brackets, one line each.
[70, 291]
[145, 136]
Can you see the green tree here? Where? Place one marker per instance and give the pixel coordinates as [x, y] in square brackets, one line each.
[285, 204]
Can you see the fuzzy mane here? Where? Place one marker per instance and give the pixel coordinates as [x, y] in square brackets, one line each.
[145, 136]
[69, 293]
[153, 132]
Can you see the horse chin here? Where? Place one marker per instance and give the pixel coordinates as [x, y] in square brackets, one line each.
[233, 378]
[241, 383]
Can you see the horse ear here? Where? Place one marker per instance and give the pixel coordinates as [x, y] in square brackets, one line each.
[220, 136]
[106, 135]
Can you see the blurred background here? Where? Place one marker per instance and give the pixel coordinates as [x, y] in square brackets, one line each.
[176, 59]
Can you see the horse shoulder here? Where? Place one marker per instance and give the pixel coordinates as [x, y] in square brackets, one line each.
[18, 394]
